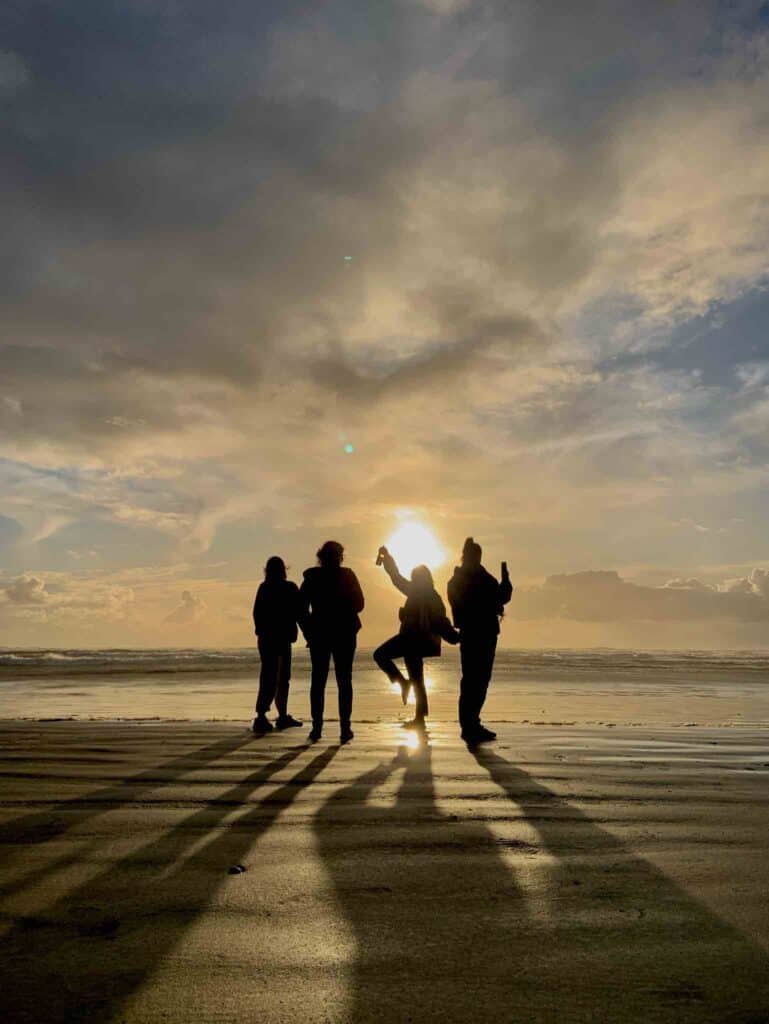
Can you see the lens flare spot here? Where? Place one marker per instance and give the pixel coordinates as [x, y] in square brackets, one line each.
[349, 449]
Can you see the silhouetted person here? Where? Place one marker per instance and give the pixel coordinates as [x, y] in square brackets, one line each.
[276, 613]
[331, 598]
[477, 601]
[423, 623]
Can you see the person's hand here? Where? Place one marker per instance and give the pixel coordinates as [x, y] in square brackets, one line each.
[382, 554]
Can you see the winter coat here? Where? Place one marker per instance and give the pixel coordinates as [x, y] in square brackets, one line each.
[330, 598]
[477, 601]
[276, 611]
[423, 616]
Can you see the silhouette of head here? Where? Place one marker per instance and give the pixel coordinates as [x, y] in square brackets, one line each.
[330, 554]
[275, 569]
[422, 579]
[471, 554]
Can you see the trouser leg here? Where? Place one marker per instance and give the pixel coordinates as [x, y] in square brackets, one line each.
[321, 659]
[384, 655]
[283, 679]
[477, 658]
[415, 664]
[268, 678]
[344, 653]
[486, 655]
[466, 703]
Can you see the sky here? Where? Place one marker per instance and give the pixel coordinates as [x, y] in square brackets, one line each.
[280, 272]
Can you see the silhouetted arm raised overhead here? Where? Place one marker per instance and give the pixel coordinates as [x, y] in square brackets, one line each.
[391, 569]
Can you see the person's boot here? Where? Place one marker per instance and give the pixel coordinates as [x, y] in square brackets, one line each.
[315, 733]
[261, 725]
[414, 723]
[346, 734]
[287, 722]
[484, 735]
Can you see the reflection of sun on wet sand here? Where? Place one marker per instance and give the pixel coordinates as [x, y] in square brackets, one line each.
[560, 876]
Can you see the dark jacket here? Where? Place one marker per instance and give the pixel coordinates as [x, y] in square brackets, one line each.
[330, 599]
[423, 616]
[477, 601]
[276, 611]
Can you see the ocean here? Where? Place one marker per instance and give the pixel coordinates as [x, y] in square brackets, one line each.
[538, 687]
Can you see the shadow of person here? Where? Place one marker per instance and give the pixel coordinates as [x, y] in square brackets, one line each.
[87, 953]
[41, 827]
[629, 943]
[431, 904]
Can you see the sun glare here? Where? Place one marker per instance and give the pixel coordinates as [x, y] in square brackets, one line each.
[414, 544]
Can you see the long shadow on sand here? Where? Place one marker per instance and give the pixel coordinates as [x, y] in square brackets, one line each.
[40, 826]
[87, 953]
[431, 903]
[633, 945]
[448, 927]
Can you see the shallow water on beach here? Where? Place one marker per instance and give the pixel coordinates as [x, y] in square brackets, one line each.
[586, 687]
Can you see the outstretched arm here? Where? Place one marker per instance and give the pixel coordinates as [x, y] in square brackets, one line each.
[391, 569]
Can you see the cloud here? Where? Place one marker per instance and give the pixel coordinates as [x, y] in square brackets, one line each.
[190, 610]
[26, 590]
[690, 583]
[603, 596]
[14, 73]
[456, 234]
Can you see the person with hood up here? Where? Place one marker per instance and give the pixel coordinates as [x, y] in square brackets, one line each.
[423, 624]
[477, 602]
[276, 612]
[330, 598]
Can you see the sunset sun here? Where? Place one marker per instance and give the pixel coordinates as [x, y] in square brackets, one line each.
[413, 544]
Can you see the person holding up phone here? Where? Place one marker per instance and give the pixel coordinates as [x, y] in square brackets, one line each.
[477, 602]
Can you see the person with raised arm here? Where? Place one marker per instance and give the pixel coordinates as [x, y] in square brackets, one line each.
[477, 602]
[276, 613]
[423, 624]
[330, 600]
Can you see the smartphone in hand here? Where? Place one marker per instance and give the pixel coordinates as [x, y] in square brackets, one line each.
[504, 569]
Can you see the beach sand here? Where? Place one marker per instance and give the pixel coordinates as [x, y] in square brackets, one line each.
[560, 874]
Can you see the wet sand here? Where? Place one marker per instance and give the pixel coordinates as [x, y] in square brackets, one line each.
[561, 874]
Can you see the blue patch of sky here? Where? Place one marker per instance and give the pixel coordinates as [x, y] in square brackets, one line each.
[730, 335]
